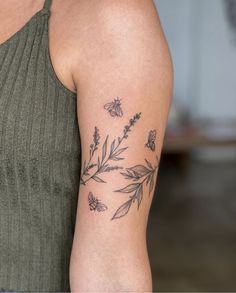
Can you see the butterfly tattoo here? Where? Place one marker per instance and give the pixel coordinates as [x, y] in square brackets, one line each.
[95, 204]
[151, 140]
[114, 108]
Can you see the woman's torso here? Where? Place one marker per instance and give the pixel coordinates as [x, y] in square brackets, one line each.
[39, 163]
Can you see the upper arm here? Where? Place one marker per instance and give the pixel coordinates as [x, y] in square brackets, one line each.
[123, 77]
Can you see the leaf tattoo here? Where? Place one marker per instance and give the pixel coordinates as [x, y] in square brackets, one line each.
[95, 204]
[139, 174]
[114, 108]
[123, 210]
[112, 153]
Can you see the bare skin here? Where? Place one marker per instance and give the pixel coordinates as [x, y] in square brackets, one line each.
[114, 55]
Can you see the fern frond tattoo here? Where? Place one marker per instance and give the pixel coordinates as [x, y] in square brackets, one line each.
[139, 174]
[113, 154]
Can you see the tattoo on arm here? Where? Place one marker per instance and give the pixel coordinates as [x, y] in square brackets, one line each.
[93, 148]
[103, 162]
[114, 108]
[95, 204]
[151, 140]
[142, 176]
[139, 174]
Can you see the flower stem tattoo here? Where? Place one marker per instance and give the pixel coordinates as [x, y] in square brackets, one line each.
[103, 162]
[139, 174]
[93, 148]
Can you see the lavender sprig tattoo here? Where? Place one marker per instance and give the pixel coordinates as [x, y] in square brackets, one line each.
[113, 154]
[139, 174]
[93, 148]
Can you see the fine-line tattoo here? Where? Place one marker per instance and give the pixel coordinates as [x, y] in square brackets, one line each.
[93, 148]
[95, 204]
[151, 140]
[143, 174]
[114, 108]
[103, 162]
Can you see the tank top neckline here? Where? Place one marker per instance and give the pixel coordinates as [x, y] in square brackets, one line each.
[42, 11]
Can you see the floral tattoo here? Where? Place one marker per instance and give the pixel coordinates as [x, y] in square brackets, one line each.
[109, 154]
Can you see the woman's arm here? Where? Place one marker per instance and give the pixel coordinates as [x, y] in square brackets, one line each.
[123, 77]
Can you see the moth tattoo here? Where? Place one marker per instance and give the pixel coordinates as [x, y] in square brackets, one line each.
[114, 108]
[151, 140]
[95, 204]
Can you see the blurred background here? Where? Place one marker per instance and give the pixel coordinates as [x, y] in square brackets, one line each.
[192, 224]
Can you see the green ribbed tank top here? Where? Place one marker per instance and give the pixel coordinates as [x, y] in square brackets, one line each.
[39, 163]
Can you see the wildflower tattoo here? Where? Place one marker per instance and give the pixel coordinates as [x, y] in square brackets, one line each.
[93, 148]
[113, 154]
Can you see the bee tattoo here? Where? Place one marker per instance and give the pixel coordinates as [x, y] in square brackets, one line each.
[95, 204]
[114, 108]
[151, 140]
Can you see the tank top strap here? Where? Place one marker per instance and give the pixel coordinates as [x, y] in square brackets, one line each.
[47, 5]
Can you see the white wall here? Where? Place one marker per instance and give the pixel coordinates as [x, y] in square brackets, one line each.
[203, 54]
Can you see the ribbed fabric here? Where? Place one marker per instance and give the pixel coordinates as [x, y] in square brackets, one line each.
[39, 163]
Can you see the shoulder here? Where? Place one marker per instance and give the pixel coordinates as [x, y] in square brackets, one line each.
[105, 31]
[91, 11]
[86, 19]
[111, 18]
